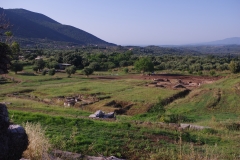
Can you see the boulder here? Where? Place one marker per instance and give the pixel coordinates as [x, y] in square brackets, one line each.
[18, 141]
[179, 86]
[196, 127]
[184, 126]
[99, 113]
[13, 138]
[92, 116]
[4, 120]
[66, 155]
[102, 158]
[109, 115]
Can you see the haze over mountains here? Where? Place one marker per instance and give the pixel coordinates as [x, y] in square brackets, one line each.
[227, 41]
[30, 28]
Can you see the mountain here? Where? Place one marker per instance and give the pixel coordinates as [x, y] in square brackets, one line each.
[35, 28]
[227, 41]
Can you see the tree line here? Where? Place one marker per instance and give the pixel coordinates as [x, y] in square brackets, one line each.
[146, 63]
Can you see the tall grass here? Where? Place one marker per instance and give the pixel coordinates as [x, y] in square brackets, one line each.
[39, 144]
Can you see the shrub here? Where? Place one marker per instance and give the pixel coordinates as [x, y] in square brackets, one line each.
[212, 72]
[44, 72]
[125, 70]
[70, 70]
[16, 66]
[51, 72]
[38, 143]
[87, 71]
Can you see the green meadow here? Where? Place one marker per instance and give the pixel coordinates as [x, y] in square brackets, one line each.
[140, 133]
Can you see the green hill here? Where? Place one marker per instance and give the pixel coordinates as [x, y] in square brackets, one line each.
[34, 28]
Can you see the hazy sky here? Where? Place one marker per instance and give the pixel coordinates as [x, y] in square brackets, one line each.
[143, 22]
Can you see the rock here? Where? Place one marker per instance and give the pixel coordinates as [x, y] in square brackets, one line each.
[196, 127]
[109, 115]
[174, 125]
[92, 116]
[102, 158]
[99, 113]
[18, 141]
[184, 126]
[179, 86]
[66, 155]
[4, 120]
[13, 138]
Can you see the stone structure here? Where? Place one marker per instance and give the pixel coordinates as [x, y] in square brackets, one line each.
[101, 114]
[13, 138]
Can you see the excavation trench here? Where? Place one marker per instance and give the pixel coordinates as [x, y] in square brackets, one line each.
[175, 97]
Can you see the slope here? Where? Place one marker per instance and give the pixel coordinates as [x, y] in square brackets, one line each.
[30, 25]
[218, 101]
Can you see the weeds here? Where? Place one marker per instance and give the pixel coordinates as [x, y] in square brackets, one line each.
[38, 143]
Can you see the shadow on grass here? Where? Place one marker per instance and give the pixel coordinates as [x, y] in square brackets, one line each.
[27, 74]
[4, 82]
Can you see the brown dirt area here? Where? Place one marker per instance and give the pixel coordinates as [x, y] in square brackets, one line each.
[166, 80]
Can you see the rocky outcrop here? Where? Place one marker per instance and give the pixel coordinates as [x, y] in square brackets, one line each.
[101, 114]
[13, 138]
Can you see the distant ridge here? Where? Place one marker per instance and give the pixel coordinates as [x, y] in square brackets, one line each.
[32, 27]
[227, 41]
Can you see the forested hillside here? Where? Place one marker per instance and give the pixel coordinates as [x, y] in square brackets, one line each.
[33, 28]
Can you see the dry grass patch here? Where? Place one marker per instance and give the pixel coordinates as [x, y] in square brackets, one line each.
[38, 143]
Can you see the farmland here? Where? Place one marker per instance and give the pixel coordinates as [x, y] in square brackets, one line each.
[140, 132]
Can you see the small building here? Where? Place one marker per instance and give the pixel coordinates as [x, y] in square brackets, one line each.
[38, 57]
[63, 66]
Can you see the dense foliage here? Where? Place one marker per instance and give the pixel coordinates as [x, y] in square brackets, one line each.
[107, 59]
[5, 57]
[16, 66]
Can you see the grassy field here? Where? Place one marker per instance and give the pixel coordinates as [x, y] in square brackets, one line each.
[140, 133]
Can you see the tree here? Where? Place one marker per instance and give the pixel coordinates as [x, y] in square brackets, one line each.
[16, 66]
[5, 57]
[74, 59]
[4, 25]
[95, 66]
[51, 72]
[125, 70]
[70, 70]
[9, 36]
[40, 64]
[144, 65]
[35, 68]
[234, 66]
[87, 71]
[123, 63]
[53, 64]
[44, 72]
[15, 48]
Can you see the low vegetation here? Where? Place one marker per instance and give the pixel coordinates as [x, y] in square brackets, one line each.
[139, 133]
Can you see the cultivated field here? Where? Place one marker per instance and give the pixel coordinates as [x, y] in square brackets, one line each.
[141, 130]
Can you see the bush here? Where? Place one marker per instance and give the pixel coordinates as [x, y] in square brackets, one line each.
[16, 66]
[125, 70]
[70, 70]
[87, 71]
[51, 72]
[44, 72]
[38, 143]
[212, 72]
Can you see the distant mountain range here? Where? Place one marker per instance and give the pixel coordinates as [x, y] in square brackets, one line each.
[227, 41]
[32, 28]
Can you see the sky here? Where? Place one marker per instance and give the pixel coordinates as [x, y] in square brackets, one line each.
[143, 22]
